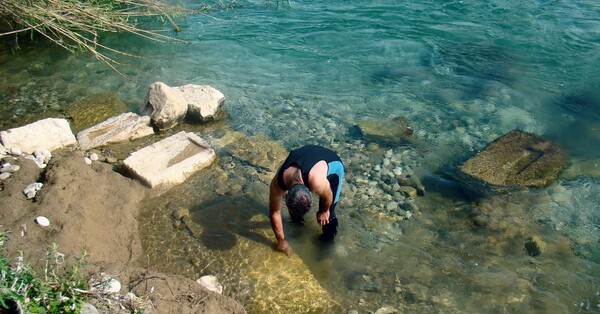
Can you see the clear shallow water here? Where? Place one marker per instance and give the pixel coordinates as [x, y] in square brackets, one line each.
[461, 72]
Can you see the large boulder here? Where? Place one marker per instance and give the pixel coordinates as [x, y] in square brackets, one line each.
[204, 102]
[165, 106]
[48, 134]
[517, 159]
[170, 161]
[126, 126]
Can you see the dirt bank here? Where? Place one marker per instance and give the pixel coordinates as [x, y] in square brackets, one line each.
[94, 209]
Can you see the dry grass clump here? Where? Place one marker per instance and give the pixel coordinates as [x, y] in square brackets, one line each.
[76, 25]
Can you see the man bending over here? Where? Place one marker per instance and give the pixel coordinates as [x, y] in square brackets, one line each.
[307, 169]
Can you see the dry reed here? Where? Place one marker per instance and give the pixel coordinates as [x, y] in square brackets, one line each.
[76, 25]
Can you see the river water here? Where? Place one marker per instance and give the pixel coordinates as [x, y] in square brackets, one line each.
[462, 73]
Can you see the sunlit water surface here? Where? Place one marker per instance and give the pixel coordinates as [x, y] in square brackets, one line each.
[461, 72]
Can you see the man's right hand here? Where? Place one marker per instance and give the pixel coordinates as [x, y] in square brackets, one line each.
[283, 246]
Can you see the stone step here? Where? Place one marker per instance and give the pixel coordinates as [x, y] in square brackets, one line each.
[170, 161]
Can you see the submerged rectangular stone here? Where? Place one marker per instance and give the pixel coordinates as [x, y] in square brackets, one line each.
[517, 159]
[170, 161]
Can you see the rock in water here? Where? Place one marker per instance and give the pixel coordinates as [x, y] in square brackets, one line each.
[517, 159]
[211, 283]
[165, 106]
[388, 131]
[204, 102]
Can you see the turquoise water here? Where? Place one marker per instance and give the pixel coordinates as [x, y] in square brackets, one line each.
[461, 72]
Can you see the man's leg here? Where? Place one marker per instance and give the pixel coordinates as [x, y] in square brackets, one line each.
[330, 229]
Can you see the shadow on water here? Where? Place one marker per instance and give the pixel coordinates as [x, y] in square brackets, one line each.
[582, 126]
[224, 218]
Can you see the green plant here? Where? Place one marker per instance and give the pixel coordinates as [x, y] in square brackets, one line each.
[76, 25]
[56, 291]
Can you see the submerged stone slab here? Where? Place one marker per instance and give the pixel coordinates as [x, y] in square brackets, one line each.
[51, 134]
[517, 159]
[170, 161]
[91, 110]
[392, 131]
[126, 126]
[261, 153]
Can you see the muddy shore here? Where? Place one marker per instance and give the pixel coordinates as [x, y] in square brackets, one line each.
[93, 208]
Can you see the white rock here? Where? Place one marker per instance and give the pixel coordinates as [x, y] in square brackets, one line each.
[397, 171]
[49, 133]
[203, 101]
[87, 161]
[39, 161]
[211, 283]
[31, 190]
[93, 157]
[42, 221]
[386, 310]
[43, 154]
[107, 284]
[88, 308]
[165, 106]
[10, 168]
[171, 160]
[15, 151]
[126, 126]
[114, 286]
[4, 176]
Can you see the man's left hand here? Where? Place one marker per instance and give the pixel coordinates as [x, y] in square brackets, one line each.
[323, 218]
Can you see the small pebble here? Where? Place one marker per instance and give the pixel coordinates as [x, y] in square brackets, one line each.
[31, 190]
[88, 308]
[43, 154]
[93, 157]
[87, 161]
[15, 151]
[114, 286]
[107, 285]
[4, 176]
[39, 161]
[195, 261]
[10, 169]
[211, 283]
[42, 221]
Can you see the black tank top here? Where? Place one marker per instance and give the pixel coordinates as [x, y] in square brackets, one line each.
[305, 158]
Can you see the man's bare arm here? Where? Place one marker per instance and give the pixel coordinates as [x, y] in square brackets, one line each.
[320, 185]
[325, 201]
[275, 198]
